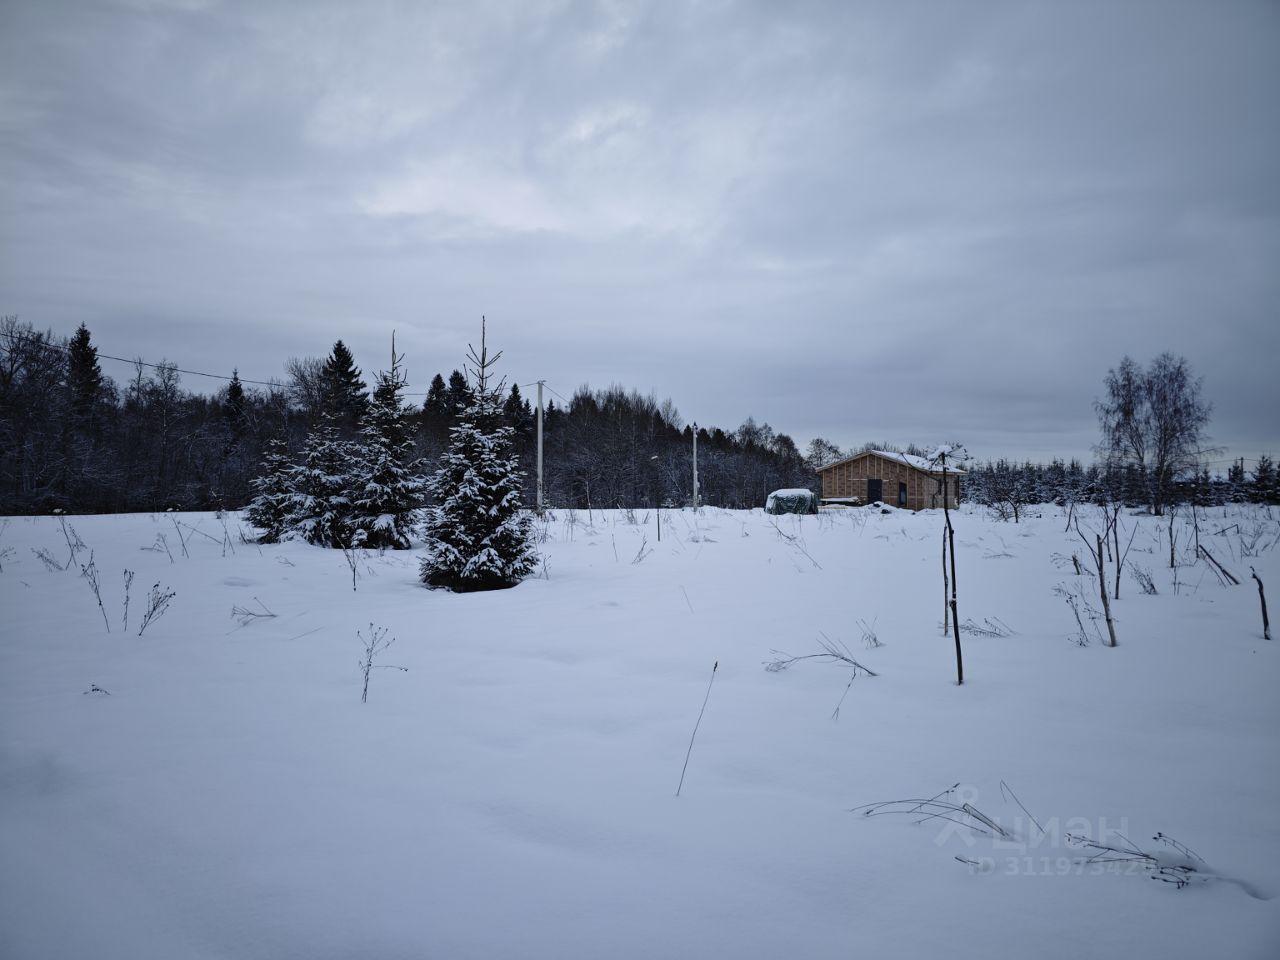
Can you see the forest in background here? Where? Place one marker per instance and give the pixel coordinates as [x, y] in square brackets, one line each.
[73, 438]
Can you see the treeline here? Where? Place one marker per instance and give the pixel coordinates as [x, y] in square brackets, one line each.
[1009, 487]
[74, 439]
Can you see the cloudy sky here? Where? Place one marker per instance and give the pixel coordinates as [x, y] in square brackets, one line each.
[896, 221]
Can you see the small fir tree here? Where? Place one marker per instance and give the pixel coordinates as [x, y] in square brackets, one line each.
[319, 501]
[1264, 487]
[1236, 490]
[477, 536]
[389, 492]
[273, 492]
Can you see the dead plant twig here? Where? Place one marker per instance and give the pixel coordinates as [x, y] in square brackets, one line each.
[833, 651]
[247, 615]
[1262, 597]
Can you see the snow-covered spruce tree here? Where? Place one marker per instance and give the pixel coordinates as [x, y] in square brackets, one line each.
[319, 500]
[272, 494]
[388, 492]
[343, 392]
[477, 536]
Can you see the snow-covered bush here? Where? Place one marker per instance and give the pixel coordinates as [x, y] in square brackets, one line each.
[797, 500]
[477, 536]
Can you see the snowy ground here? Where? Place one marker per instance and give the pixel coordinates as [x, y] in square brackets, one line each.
[512, 794]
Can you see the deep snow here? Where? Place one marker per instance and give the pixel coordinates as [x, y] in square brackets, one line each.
[512, 793]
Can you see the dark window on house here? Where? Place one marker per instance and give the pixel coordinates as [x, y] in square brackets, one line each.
[902, 494]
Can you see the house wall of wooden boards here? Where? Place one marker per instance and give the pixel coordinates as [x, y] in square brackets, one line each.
[901, 483]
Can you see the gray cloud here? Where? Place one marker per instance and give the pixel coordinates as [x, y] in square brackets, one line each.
[900, 221]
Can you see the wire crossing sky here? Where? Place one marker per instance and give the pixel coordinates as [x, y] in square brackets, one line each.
[894, 221]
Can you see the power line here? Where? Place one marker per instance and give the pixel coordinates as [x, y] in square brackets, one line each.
[138, 361]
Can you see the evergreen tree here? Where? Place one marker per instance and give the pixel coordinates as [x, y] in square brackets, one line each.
[84, 376]
[233, 406]
[345, 399]
[477, 537]
[1264, 481]
[273, 494]
[516, 410]
[319, 499]
[388, 492]
[437, 403]
[457, 395]
[1202, 488]
[1236, 489]
[435, 419]
[1133, 485]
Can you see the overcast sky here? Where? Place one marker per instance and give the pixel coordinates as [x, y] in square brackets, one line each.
[900, 221]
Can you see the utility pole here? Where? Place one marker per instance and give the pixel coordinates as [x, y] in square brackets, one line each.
[658, 509]
[540, 383]
[695, 466]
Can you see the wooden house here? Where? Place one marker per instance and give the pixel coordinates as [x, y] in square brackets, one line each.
[898, 479]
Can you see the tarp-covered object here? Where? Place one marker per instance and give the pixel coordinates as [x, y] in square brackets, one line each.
[792, 501]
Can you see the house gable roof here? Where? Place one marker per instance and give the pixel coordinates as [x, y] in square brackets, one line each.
[910, 460]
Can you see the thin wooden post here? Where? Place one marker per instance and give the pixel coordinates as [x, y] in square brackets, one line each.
[951, 540]
[946, 608]
[955, 614]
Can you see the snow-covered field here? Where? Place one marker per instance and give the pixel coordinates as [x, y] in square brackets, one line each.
[512, 793]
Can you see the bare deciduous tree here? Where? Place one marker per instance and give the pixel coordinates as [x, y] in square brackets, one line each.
[306, 385]
[1154, 419]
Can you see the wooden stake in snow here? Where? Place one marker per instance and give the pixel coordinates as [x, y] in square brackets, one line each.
[1262, 596]
[687, 753]
[946, 588]
[949, 534]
